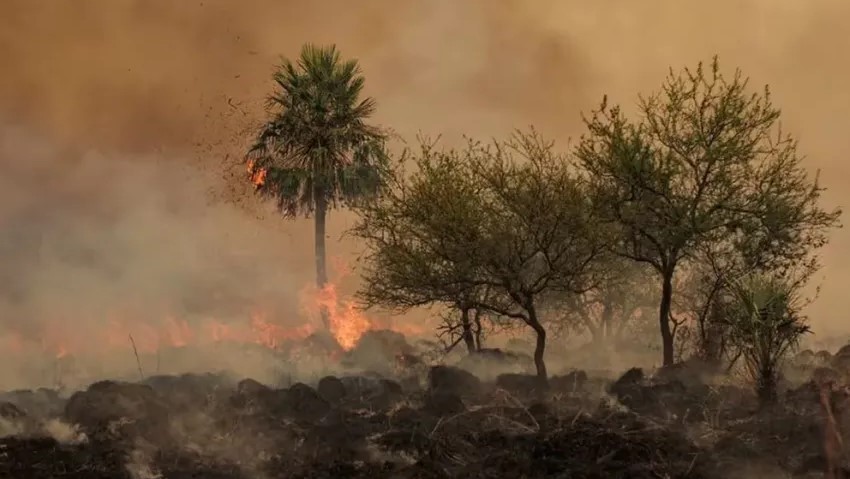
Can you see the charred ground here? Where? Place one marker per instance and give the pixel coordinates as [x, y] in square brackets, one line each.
[419, 420]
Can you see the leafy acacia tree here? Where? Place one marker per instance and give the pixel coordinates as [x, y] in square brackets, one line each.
[317, 150]
[510, 218]
[706, 164]
[409, 261]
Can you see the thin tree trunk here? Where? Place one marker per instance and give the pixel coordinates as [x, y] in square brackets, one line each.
[321, 261]
[595, 330]
[477, 323]
[540, 346]
[664, 317]
[710, 340]
[606, 329]
[466, 324]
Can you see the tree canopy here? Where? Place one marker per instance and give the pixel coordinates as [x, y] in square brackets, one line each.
[317, 148]
[705, 166]
[511, 217]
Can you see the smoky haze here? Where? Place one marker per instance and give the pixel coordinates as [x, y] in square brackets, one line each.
[75, 227]
[123, 122]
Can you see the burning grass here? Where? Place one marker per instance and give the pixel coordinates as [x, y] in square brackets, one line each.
[57, 352]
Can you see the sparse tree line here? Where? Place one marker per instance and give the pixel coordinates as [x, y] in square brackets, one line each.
[695, 212]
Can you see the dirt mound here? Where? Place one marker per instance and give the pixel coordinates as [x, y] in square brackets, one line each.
[823, 357]
[190, 391]
[379, 351]
[115, 410]
[519, 384]
[692, 372]
[490, 363]
[14, 421]
[331, 389]
[371, 392]
[41, 403]
[301, 402]
[453, 380]
[662, 398]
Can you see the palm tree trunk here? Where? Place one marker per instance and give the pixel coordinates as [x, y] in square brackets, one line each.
[321, 262]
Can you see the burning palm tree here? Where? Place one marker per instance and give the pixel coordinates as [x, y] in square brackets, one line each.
[317, 150]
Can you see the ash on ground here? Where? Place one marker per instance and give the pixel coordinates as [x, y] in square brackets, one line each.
[387, 412]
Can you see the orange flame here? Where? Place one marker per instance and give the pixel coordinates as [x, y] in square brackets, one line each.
[148, 337]
[257, 176]
[346, 322]
[63, 338]
[179, 332]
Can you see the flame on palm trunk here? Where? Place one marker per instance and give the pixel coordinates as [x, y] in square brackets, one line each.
[345, 321]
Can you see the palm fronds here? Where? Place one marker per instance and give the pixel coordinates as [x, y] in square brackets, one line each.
[765, 324]
[317, 150]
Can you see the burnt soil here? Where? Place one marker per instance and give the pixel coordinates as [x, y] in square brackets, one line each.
[443, 423]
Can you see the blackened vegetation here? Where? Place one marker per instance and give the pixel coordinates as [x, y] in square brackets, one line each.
[639, 425]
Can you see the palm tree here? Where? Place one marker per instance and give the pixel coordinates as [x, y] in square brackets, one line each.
[316, 152]
[765, 325]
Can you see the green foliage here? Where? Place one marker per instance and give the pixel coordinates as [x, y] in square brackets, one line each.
[495, 227]
[318, 149]
[416, 231]
[763, 316]
[707, 161]
[469, 219]
[705, 169]
[542, 236]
